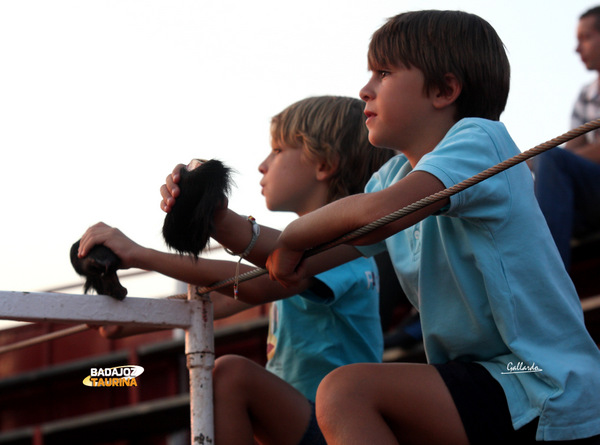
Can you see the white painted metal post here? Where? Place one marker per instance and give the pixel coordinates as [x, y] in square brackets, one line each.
[199, 350]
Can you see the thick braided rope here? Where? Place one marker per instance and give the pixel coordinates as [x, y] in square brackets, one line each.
[424, 202]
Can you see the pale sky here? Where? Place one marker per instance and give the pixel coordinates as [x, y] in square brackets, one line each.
[99, 100]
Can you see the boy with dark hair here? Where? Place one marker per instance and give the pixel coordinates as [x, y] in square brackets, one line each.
[509, 358]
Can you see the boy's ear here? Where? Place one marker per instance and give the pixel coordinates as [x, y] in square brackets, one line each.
[442, 99]
[327, 169]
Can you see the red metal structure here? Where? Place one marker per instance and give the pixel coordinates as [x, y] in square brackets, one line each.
[43, 400]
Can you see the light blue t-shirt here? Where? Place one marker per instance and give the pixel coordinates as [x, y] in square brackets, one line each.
[490, 286]
[309, 337]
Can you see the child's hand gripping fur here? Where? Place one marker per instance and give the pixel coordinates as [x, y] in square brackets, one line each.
[100, 269]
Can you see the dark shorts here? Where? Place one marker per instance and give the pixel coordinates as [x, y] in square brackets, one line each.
[313, 435]
[483, 409]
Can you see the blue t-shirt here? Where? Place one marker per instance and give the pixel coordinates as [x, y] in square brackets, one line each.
[309, 337]
[490, 286]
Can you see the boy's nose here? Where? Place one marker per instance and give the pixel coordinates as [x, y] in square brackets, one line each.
[262, 167]
[366, 93]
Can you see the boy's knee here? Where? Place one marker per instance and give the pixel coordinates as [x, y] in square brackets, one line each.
[231, 371]
[336, 385]
[337, 394]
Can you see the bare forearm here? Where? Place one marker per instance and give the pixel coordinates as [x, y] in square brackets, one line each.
[235, 232]
[322, 225]
[205, 272]
[225, 306]
[180, 267]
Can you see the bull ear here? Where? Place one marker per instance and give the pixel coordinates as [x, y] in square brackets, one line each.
[188, 226]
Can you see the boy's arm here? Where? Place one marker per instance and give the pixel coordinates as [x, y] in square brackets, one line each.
[346, 215]
[234, 232]
[224, 306]
[200, 272]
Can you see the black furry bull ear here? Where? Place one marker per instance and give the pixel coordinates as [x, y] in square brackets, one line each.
[99, 268]
[188, 225]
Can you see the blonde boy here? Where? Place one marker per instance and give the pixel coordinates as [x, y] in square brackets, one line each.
[320, 153]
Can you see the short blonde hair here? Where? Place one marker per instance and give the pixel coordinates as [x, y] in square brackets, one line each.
[332, 129]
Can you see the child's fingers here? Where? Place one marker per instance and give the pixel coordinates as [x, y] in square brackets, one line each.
[170, 190]
[167, 201]
[89, 239]
[175, 173]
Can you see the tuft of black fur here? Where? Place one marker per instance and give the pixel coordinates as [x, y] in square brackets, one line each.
[188, 225]
[99, 268]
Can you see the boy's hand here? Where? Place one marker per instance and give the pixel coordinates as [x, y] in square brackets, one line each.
[114, 239]
[169, 190]
[285, 266]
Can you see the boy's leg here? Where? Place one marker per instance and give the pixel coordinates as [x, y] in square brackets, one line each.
[249, 400]
[388, 404]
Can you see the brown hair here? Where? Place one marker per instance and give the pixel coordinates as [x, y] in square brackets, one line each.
[442, 42]
[593, 12]
[332, 129]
